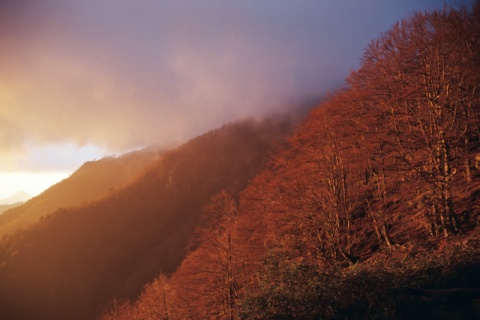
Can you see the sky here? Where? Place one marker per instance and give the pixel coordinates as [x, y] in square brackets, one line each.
[83, 79]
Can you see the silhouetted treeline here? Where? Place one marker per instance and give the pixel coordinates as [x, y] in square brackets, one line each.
[376, 192]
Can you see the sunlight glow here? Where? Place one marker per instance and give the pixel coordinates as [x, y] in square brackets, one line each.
[29, 182]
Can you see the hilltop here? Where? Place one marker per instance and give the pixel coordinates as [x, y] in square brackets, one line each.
[14, 201]
[20, 196]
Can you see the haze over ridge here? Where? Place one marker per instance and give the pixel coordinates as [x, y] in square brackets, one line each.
[113, 77]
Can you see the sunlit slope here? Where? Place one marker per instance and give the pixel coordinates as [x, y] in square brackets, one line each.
[92, 180]
[73, 262]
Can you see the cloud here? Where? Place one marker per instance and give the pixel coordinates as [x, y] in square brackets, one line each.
[124, 74]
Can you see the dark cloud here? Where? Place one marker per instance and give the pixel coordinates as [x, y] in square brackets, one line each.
[123, 74]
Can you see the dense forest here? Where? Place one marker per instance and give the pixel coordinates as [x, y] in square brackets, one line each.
[370, 209]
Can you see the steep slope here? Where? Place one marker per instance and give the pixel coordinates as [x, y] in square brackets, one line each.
[72, 262]
[92, 180]
[281, 253]
[370, 211]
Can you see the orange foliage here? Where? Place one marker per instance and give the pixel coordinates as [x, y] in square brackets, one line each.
[346, 186]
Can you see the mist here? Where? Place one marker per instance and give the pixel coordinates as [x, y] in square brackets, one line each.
[126, 74]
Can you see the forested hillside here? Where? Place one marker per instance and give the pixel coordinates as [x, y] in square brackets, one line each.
[71, 263]
[92, 180]
[370, 211]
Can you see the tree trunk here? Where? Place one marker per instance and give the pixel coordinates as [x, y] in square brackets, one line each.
[468, 173]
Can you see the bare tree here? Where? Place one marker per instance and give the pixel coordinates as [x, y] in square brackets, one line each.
[424, 83]
[208, 285]
[154, 302]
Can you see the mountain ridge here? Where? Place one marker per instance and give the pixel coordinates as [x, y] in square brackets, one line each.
[91, 180]
[117, 243]
[20, 196]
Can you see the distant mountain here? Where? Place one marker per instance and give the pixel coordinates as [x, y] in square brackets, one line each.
[71, 263]
[92, 180]
[17, 197]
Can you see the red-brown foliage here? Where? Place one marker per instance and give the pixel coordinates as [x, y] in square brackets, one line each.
[382, 165]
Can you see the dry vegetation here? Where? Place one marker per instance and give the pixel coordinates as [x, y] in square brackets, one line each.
[370, 210]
